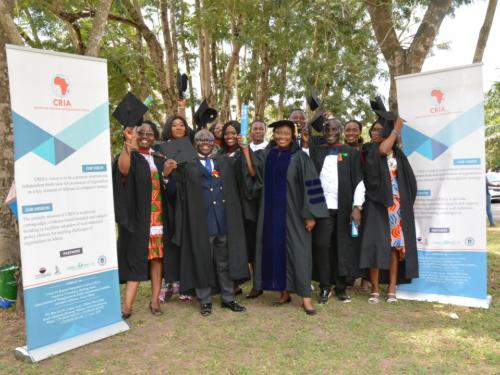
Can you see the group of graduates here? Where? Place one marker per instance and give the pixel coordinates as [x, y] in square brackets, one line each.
[207, 211]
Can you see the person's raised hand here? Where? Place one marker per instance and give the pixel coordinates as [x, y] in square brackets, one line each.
[398, 124]
[169, 166]
[242, 145]
[130, 137]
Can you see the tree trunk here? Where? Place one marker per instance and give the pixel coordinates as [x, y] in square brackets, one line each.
[485, 31]
[213, 63]
[171, 81]
[227, 83]
[173, 28]
[9, 236]
[282, 92]
[11, 35]
[98, 28]
[263, 90]
[400, 60]
[187, 61]
[156, 52]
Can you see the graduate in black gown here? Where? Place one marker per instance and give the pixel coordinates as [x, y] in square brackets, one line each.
[141, 206]
[230, 149]
[209, 227]
[175, 127]
[291, 199]
[335, 251]
[388, 240]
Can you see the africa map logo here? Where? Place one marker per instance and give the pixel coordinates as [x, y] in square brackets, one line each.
[438, 96]
[60, 86]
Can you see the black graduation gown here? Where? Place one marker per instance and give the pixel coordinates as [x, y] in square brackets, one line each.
[197, 266]
[303, 201]
[375, 232]
[349, 170]
[132, 198]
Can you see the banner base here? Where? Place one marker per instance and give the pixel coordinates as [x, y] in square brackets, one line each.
[448, 300]
[35, 355]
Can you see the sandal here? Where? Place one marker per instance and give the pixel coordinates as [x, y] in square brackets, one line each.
[391, 298]
[373, 298]
[156, 311]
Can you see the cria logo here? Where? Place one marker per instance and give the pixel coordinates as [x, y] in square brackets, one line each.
[61, 89]
[437, 96]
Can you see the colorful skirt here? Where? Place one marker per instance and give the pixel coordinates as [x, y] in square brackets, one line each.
[395, 219]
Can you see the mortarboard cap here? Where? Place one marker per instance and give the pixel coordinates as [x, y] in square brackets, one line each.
[313, 101]
[378, 107]
[278, 124]
[182, 80]
[204, 114]
[181, 150]
[318, 120]
[130, 111]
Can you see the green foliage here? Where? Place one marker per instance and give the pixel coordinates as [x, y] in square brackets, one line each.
[492, 130]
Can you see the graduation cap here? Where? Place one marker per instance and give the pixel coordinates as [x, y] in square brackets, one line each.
[182, 80]
[181, 150]
[313, 101]
[204, 114]
[379, 108]
[318, 120]
[278, 124]
[385, 118]
[130, 111]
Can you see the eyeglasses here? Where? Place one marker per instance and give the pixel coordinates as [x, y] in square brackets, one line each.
[142, 133]
[205, 140]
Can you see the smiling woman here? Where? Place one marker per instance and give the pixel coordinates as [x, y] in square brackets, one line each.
[141, 204]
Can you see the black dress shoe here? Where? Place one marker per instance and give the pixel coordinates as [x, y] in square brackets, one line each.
[254, 294]
[309, 311]
[324, 294]
[205, 309]
[342, 296]
[282, 301]
[233, 306]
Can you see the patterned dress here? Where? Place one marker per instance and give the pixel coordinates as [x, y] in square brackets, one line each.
[155, 248]
[395, 218]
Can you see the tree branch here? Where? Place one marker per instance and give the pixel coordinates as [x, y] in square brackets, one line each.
[426, 33]
[380, 12]
[98, 28]
[485, 31]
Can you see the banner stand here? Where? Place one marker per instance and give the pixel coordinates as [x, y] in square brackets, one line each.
[443, 139]
[447, 300]
[23, 354]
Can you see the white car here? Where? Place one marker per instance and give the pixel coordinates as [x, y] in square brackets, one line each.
[494, 177]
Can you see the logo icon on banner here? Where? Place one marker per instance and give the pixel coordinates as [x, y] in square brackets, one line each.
[438, 96]
[60, 86]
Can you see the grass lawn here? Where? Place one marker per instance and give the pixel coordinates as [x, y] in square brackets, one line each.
[356, 338]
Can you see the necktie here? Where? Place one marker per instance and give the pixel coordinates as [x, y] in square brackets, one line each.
[208, 165]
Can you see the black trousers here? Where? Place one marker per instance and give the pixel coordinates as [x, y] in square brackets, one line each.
[220, 258]
[325, 254]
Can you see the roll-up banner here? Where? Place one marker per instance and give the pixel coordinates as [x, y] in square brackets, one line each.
[444, 141]
[65, 200]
